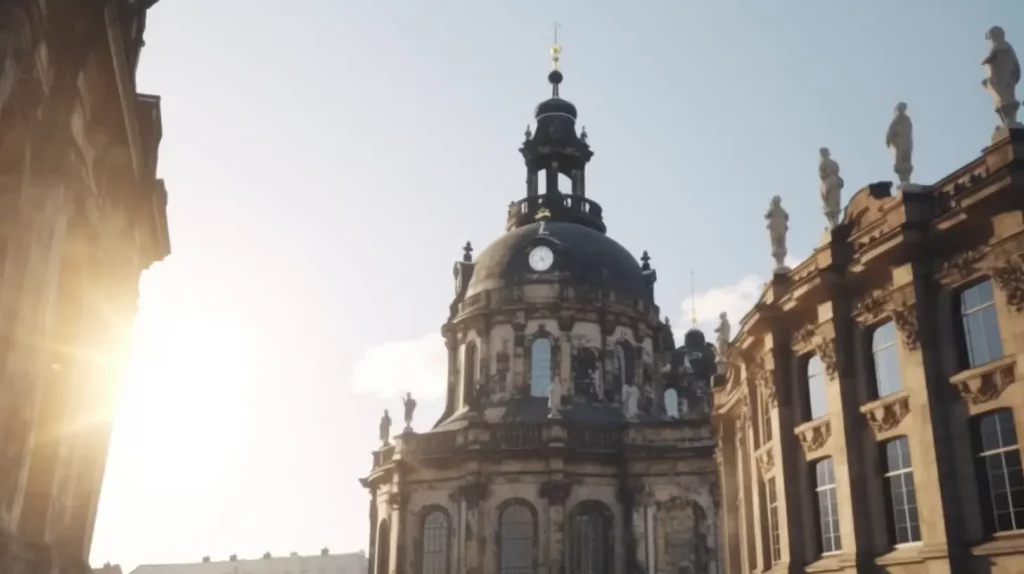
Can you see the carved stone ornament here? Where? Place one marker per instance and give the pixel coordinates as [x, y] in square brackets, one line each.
[397, 500]
[473, 493]
[962, 265]
[813, 437]
[1010, 279]
[555, 491]
[763, 379]
[887, 413]
[826, 349]
[872, 305]
[766, 460]
[905, 319]
[981, 387]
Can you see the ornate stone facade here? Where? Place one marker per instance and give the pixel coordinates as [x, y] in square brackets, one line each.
[576, 437]
[83, 214]
[871, 418]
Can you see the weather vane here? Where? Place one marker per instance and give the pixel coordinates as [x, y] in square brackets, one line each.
[693, 300]
[556, 48]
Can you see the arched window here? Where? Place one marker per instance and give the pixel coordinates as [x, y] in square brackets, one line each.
[672, 403]
[585, 373]
[470, 368]
[589, 545]
[815, 379]
[540, 367]
[383, 548]
[886, 360]
[516, 540]
[434, 541]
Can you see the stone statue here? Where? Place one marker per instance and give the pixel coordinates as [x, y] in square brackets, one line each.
[555, 398]
[831, 187]
[900, 139]
[1002, 72]
[630, 398]
[410, 407]
[724, 332]
[778, 226]
[385, 428]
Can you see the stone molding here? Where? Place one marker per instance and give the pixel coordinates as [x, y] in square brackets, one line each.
[765, 459]
[888, 412]
[905, 319]
[814, 435]
[555, 490]
[809, 339]
[1010, 279]
[986, 383]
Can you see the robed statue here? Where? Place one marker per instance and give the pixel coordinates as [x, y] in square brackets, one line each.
[900, 140]
[831, 187]
[410, 407]
[1002, 72]
[723, 333]
[385, 428]
[778, 226]
[630, 400]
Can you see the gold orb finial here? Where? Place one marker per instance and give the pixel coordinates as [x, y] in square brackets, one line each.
[556, 49]
[542, 214]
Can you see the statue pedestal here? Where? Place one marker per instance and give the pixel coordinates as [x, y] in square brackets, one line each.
[781, 270]
[911, 188]
[1003, 132]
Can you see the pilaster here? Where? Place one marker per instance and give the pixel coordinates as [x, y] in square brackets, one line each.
[555, 491]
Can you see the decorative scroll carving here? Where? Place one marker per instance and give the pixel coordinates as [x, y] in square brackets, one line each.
[962, 265]
[979, 388]
[887, 413]
[1010, 279]
[555, 491]
[873, 304]
[905, 318]
[823, 347]
[764, 380]
[766, 460]
[815, 436]
[473, 493]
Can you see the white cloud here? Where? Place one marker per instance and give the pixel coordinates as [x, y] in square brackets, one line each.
[419, 366]
[736, 300]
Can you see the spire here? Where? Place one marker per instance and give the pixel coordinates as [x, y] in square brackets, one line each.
[693, 301]
[555, 77]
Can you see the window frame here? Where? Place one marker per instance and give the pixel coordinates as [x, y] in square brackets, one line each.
[605, 536]
[911, 513]
[963, 338]
[983, 478]
[875, 390]
[807, 378]
[533, 365]
[831, 494]
[774, 529]
[531, 512]
[427, 513]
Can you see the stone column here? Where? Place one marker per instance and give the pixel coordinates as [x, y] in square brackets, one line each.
[742, 500]
[471, 497]
[565, 326]
[555, 491]
[483, 376]
[519, 375]
[398, 501]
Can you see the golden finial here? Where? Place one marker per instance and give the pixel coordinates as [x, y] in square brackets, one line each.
[556, 49]
[693, 301]
[542, 214]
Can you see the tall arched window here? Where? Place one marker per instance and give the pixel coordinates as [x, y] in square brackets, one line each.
[540, 367]
[590, 551]
[886, 360]
[815, 379]
[516, 540]
[470, 368]
[672, 403]
[383, 548]
[434, 543]
[585, 373]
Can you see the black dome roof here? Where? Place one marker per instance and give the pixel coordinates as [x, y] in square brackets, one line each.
[555, 106]
[583, 257]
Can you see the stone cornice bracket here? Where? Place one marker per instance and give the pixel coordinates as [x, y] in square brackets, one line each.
[765, 459]
[473, 493]
[887, 413]
[987, 382]
[814, 435]
[555, 491]
[1010, 278]
[905, 319]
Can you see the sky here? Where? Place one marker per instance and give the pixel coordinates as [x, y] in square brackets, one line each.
[327, 159]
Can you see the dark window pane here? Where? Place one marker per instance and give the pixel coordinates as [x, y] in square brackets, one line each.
[999, 474]
[540, 367]
[980, 323]
[828, 506]
[516, 540]
[589, 542]
[435, 543]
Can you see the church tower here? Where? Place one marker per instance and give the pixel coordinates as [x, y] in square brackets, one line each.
[575, 438]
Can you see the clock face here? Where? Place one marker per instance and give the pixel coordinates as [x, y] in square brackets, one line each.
[541, 258]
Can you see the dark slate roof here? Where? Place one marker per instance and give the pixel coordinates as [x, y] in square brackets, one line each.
[583, 257]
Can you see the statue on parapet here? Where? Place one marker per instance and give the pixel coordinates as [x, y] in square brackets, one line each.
[831, 187]
[385, 429]
[1002, 73]
[778, 226]
[630, 400]
[410, 407]
[900, 140]
[724, 336]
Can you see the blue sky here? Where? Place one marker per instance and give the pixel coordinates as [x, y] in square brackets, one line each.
[327, 159]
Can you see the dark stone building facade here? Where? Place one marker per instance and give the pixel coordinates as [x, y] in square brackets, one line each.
[871, 417]
[576, 437]
[82, 213]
